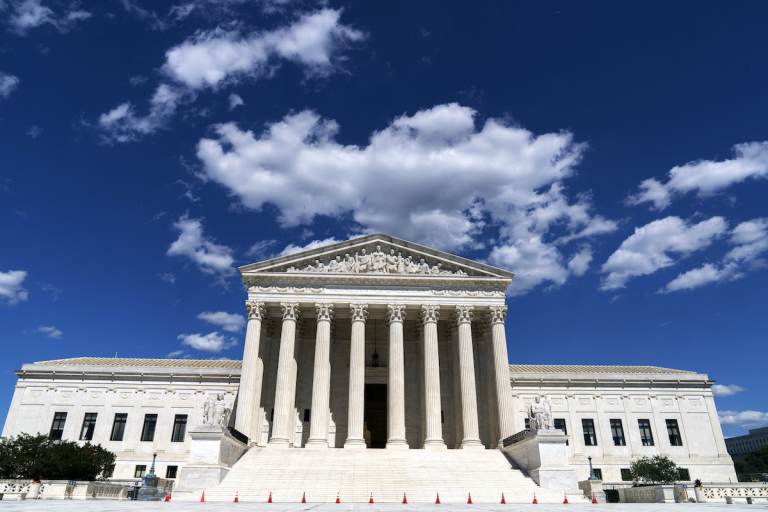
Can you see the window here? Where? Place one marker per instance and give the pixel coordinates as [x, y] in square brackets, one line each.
[598, 473]
[684, 474]
[646, 436]
[617, 432]
[307, 416]
[588, 426]
[89, 425]
[626, 475]
[140, 471]
[527, 423]
[118, 427]
[148, 431]
[674, 433]
[179, 428]
[170, 471]
[57, 427]
[560, 424]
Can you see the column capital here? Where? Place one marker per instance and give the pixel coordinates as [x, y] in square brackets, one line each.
[464, 314]
[395, 313]
[291, 310]
[255, 310]
[430, 313]
[358, 311]
[497, 314]
[324, 311]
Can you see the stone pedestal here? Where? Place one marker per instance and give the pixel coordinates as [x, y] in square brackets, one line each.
[593, 489]
[542, 454]
[212, 452]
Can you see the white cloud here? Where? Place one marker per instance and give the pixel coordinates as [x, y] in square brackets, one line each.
[743, 418]
[235, 101]
[652, 246]
[211, 342]
[177, 354]
[167, 277]
[293, 249]
[227, 321]
[29, 14]
[726, 389]
[11, 289]
[706, 177]
[495, 174]
[210, 257]
[262, 249]
[215, 58]
[8, 84]
[750, 241]
[580, 261]
[50, 331]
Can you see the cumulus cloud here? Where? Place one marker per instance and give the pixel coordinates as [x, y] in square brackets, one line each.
[11, 286]
[726, 389]
[743, 418]
[293, 249]
[28, 14]
[211, 342]
[496, 174]
[706, 177]
[228, 321]
[750, 242]
[235, 101]
[8, 84]
[580, 261]
[213, 59]
[50, 331]
[210, 257]
[652, 247]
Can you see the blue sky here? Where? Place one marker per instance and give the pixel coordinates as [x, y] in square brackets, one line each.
[615, 157]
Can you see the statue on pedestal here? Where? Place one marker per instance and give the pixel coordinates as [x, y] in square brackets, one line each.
[215, 411]
[540, 414]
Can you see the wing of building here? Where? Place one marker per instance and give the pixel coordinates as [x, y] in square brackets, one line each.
[372, 343]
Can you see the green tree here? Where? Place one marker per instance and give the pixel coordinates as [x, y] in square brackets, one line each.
[654, 470]
[755, 462]
[38, 457]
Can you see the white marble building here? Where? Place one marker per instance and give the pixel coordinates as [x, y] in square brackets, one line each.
[380, 343]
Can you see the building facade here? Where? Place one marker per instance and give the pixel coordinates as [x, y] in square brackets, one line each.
[741, 446]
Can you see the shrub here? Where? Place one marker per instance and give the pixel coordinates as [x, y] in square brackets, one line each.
[39, 458]
[654, 470]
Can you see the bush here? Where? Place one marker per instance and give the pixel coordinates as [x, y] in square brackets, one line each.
[654, 470]
[39, 458]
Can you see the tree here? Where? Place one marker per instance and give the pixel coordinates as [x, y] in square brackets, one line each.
[755, 462]
[38, 457]
[654, 470]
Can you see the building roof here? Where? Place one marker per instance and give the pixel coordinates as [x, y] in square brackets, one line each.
[593, 368]
[159, 363]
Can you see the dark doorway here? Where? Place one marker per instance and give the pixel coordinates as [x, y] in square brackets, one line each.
[376, 414]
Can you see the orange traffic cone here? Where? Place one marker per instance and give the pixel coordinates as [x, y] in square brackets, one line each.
[405, 499]
[535, 501]
[565, 499]
[469, 498]
[370, 500]
[237, 497]
[338, 500]
[202, 497]
[503, 500]
[594, 499]
[269, 500]
[304, 497]
[167, 498]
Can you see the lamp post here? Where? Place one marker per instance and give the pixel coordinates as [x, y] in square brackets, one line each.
[592, 475]
[151, 473]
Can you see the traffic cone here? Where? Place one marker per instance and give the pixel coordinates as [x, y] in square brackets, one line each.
[594, 499]
[437, 500]
[237, 497]
[202, 497]
[167, 498]
[469, 498]
[535, 501]
[370, 500]
[565, 499]
[304, 497]
[503, 500]
[405, 499]
[269, 500]
[338, 500]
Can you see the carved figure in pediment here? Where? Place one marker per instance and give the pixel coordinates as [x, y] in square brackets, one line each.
[378, 260]
[393, 262]
[335, 264]
[348, 264]
[423, 266]
[400, 264]
[363, 261]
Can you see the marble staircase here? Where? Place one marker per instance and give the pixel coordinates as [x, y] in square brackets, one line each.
[356, 474]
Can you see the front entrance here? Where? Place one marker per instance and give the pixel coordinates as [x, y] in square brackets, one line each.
[376, 415]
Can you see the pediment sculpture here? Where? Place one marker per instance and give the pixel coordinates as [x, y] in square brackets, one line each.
[376, 262]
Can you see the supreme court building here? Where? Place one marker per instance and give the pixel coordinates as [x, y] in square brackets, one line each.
[374, 366]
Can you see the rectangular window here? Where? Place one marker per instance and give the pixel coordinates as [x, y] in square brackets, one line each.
[598, 473]
[646, 435]
[560, 424]
[148, 430]
[179, 428]
[617, 432]
[588, 426]
[674, 433]
[684, 474]
[140, 471]
[626, 475]
[118, 427]
[89, 425]
[170, 471]
[527, 423]
[57, 426]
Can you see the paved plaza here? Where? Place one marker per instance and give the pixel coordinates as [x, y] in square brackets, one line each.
[121, 506]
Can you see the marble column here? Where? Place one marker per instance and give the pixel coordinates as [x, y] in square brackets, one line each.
[249, 393]
[471, 438]
[355, 417]
[283, 423]
[321, 378]
[396, 382]
[430, 314]
[505, 415]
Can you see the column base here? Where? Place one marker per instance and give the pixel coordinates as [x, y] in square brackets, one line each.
[397, 444]
[316, 444]
[279, 442]
[355, 444]
[435, 444]
[472, 444]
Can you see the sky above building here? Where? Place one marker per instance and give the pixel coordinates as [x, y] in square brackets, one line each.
[613, 156]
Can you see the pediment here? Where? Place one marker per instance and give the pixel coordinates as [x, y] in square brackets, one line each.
[376, 255]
